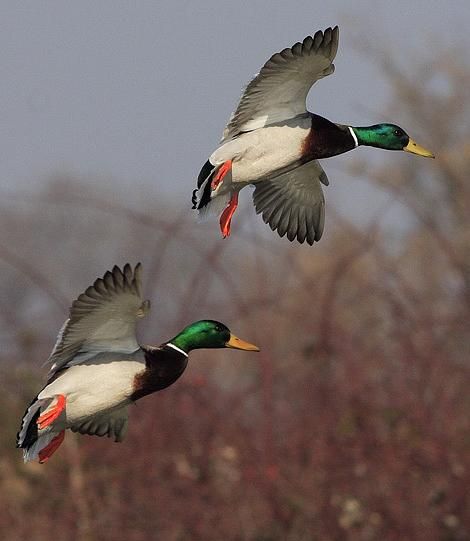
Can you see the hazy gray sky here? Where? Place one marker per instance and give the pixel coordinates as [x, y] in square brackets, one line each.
[140, 91]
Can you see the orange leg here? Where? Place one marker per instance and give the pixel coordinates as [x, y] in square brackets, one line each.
[49, 416]
[226, 216]
[219, 176]
[46, 453]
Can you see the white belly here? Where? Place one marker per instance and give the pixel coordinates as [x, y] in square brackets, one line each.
[93, 388]
[258, 154]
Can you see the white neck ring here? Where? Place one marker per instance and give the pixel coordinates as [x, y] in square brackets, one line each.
[176, 348]
[354, 136]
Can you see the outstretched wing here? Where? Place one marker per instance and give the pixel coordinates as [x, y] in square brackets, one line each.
[280, 89]
[293, 203]
[103, 318]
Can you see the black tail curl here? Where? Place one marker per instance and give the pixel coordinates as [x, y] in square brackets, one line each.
[203, 181]
[194, 199]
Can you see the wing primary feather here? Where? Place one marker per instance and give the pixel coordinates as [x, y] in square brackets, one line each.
[286, 53]
[334, 42]
[300, 226]
[310, 225]
[138, 279]
[284, 220]
[326, 38]
[266, 199]
[317, 39]
[119, 277]
[270, 213]
[308, 43]
[282, 212]
[127, 272]
[99, 286]
[297, 49]
[320, 223]
[276, 218]
[108, 281]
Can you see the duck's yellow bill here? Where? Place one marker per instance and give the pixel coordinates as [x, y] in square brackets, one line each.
[238, 343]
[414, 148]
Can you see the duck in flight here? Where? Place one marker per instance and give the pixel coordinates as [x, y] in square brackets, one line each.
[274, 143]
[98, 369]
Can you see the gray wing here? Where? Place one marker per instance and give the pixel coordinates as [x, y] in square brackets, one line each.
[280, 89]
[103, 318]
[293, 203]
[112, 424]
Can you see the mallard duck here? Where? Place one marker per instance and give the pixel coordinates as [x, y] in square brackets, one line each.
[98, 369]
[273, 142]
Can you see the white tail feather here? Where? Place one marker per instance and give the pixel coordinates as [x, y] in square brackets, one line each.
[214, 207]
[200, 191]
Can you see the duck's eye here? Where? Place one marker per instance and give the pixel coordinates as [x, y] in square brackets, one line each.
[398, 133]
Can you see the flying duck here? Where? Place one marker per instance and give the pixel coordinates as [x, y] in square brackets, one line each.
[273, 142]
[98, 369]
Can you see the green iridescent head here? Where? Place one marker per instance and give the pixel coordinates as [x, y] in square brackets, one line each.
[389, 137]
[209, 334]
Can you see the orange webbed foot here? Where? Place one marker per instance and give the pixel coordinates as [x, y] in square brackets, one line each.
[219, 176]
[226, 216]
[51, 414]
[46, 453]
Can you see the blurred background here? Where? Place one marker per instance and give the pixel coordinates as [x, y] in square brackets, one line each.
[354, 420]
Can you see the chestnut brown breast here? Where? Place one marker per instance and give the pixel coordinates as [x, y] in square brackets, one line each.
[326, 139]
[163, 366]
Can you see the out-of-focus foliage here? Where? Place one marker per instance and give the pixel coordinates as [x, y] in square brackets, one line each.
[354, 420]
